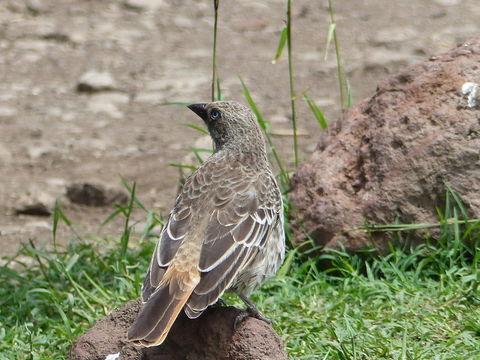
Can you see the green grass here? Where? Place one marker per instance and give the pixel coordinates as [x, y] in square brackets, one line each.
[414, 303]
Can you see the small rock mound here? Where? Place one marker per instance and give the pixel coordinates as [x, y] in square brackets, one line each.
[210, 337]
[394, 154]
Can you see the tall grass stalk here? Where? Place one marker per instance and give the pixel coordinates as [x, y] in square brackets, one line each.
[343, 84]
[216, 4]
[291, 80]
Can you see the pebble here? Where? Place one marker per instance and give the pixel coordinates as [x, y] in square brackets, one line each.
[35, 202]
[141, 5]
[36, 151]
[94, 80]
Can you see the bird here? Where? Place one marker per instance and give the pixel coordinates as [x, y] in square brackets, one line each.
[225, 232]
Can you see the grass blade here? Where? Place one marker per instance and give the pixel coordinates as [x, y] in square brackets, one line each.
[345, 93]
[183, 166]
[264, 125]
[198, 128]
[220, 96]
[331, 31]
[281, 45]
[175, 103]
[316, 112]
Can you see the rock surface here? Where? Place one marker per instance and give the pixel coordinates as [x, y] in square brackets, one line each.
[210, 337]
[392, 156]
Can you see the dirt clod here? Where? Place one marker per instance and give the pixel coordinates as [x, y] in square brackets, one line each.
[210, 337]
[96, 194]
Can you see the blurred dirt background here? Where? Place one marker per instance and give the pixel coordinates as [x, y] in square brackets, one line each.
[82, 83]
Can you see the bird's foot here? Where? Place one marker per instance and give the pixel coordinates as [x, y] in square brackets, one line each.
[251, 311]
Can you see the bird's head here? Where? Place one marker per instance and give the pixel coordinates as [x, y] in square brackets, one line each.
[229, 123]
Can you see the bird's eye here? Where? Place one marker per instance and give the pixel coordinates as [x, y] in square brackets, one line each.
[215, 114]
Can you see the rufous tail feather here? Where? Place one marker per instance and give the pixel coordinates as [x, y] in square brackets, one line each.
[162, 308]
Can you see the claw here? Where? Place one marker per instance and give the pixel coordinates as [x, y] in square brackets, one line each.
[251, 311]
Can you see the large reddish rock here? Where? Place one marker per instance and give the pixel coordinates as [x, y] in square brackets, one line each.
[393, 154]
[210, 337]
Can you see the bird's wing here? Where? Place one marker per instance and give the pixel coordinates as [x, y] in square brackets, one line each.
[195, 189]
[242, 220]
[170, 240]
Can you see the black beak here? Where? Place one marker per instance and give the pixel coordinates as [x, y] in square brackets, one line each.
[199, 109]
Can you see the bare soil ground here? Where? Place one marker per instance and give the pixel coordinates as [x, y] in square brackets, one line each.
[156, 51]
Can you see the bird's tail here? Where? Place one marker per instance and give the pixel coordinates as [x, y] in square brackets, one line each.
[162, 308]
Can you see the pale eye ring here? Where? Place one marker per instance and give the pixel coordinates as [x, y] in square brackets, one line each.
[215, 114]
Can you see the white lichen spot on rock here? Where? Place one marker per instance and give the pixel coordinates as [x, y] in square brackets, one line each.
[113, 356]
[471, 89]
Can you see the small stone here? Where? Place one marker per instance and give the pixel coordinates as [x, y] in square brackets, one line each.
[93, 81]
[141, 5]
[96, 194]
[36, 151]
[471, 89]
[35, 202]
[113, 356]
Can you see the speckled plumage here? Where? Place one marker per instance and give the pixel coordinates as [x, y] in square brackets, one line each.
[225, 232]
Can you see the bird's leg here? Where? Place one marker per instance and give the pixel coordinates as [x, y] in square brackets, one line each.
[251, 311]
